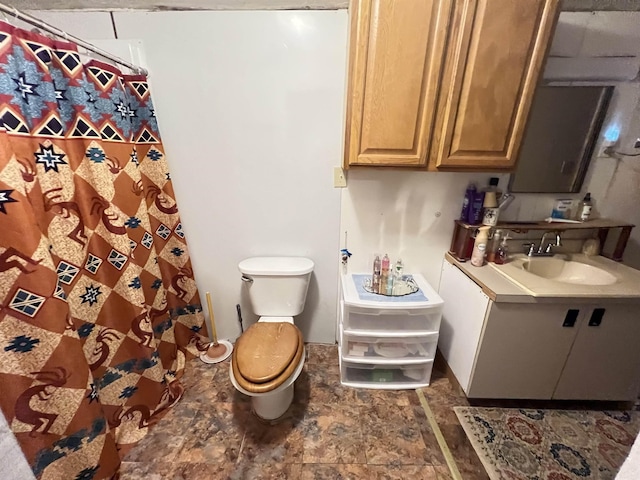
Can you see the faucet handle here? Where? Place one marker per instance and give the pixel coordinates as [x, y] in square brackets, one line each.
[529, 248]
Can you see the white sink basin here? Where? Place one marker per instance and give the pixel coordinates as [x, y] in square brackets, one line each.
[567, 271]
[571, 275]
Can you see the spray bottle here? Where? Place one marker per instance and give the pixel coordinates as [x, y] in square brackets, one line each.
[480, 246]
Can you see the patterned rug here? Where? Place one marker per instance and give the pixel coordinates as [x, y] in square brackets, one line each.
[549, 444]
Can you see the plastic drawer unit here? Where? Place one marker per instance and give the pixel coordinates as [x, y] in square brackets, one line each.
[387, 342]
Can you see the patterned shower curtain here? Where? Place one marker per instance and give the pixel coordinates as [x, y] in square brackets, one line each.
[98, 305]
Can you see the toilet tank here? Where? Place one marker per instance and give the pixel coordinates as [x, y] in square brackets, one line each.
[277, 286]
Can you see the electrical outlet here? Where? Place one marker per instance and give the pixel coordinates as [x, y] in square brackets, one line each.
[339, 179]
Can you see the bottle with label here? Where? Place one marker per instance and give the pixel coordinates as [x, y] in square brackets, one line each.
[375, 280]
[480, 246]
[467, 202]
[475, 210]
[494, 245]
[490, 210]
[384, 274]
[585, 207]
[390, 280]
[503, 251]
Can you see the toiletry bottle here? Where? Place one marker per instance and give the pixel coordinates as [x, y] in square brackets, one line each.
[494, 245]
[375, 281]
[475, 212]
[493, 187]
[503, 251]
[389, 290]
[490, 203]
[585, 207]
[384, 274]
[467, 202]
[480, 247]
[398, 269]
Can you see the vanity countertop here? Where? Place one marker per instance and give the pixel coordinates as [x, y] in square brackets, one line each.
[499, 288]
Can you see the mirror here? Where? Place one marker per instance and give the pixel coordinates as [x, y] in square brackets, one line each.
[560, 137]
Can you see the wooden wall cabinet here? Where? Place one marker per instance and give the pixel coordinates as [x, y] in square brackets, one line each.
[396, 57]
[443, 84]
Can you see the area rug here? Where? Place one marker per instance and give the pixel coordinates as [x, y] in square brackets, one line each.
[549, 444]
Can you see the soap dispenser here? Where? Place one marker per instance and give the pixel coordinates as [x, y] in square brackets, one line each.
[480, 246]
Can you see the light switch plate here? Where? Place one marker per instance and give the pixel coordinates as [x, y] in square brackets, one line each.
[339, 178]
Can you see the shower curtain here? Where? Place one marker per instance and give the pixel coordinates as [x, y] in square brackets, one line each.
[98, 305]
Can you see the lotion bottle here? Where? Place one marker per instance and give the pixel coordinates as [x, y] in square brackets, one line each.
[480, 246]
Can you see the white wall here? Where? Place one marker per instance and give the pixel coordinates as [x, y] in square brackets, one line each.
[250, 106]
[407, 215]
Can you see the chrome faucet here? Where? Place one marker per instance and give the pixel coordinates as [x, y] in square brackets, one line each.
[547, 249]
[542, 250]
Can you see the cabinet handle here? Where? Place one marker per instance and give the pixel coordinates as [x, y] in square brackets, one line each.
[571, 317]
[596, 317]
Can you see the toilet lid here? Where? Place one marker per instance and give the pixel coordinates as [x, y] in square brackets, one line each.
[266, 349]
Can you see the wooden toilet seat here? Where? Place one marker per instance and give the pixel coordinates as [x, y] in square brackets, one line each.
[266, 355]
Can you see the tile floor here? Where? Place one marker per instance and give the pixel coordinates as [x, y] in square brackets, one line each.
[330, 432]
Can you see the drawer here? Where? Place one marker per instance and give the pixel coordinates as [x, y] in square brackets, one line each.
[388, 350]
[392, 376]
[395, 322]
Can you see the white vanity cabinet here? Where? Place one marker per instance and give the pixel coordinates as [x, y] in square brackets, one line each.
[570, 349]
[605, 357]
[522, 351]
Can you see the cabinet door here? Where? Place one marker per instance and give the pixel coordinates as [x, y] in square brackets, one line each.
[522, 350]
[397, 51]
[605, 359]
[494, 59]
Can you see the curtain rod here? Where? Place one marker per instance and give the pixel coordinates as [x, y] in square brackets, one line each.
[61, 33]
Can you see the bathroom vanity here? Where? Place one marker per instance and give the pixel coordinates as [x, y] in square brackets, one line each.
[508, 334]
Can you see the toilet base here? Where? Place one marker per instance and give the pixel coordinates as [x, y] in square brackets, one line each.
[274, 405]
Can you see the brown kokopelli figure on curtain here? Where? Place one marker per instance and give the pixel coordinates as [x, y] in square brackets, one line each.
[100, 206]
[114, 165]
[202, 344]
[171, 394]
[146, 416]
[102, 347]
[138, 188]
[154, 192]
[157, 312]
[160, 200]
[183, 273]
[23, 411]
[7, 263]
[145, 336]
[27, 170]
[52, 202]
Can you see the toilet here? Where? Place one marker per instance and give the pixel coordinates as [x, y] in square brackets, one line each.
[269, 356]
